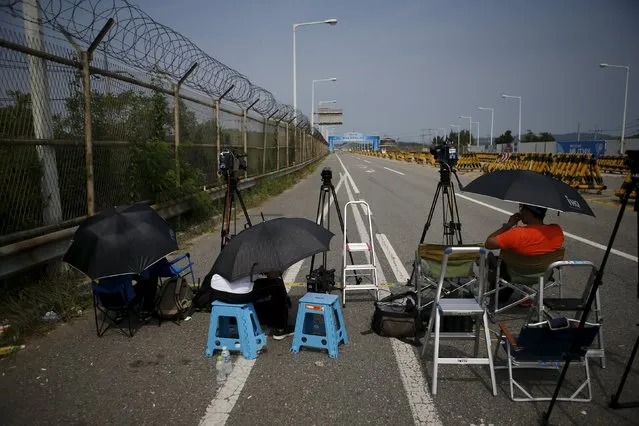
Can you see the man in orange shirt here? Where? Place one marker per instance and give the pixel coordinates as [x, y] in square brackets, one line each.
[534, 238]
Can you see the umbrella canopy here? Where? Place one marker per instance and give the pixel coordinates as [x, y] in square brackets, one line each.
[273, 245]
[528, 187]
[120, 240]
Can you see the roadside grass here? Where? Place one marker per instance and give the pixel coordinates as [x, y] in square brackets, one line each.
[26, 298]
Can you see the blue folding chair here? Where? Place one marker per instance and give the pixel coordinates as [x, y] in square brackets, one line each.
[181, 266]
[115, 298]
[547, 345]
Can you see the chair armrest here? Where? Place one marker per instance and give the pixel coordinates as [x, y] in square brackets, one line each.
[504, 329]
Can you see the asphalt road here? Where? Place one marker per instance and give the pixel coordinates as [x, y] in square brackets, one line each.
[161, 375]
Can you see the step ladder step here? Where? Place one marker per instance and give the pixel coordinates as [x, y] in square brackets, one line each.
[354, 247]
[360, 267]
[352, 287]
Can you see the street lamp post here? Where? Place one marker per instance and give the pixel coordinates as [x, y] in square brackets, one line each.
[519, 132]
[625, 101]
[458, 132]
[295, 26]
[470, 128]
[477, 123]
[313, 99]
[492, 120]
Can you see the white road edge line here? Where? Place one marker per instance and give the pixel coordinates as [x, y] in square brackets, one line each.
[567, 234]
[395, 171]
[219, 410]
[350, 179]
[415, 386]
[401, 275]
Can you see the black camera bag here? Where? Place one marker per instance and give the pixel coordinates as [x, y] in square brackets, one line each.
[397, 316]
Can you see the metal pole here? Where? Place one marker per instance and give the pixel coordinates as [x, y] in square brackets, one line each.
[41, 112]
[294, 79]
[264, 146]
[625, 103]
[492, 120]
[312, 105]
[245, 136]
[287, 130]
[88, 133]
[176, 118]
[519, 136]
[217, 131]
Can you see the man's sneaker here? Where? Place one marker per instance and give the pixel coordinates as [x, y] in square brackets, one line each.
[280, 334]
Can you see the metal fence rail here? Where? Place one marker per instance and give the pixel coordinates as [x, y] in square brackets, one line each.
[81, 129]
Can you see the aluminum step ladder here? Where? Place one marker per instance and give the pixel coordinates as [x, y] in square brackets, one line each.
[359, 270]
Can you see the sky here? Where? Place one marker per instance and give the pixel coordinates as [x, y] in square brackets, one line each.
[405, 66]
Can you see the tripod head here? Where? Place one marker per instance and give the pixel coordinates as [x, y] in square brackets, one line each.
[327, 176]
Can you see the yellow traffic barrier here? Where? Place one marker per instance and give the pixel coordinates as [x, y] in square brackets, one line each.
[469, 162]
[622, 190]
[612, 164]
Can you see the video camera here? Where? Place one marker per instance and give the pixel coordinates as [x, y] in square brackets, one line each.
[320, 280]
[327, 174]
[445, 154]
[632, 161]
[231, 162]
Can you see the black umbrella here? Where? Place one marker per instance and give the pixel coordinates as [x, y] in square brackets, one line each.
[120, 240]
[273, 245]
[528, 187]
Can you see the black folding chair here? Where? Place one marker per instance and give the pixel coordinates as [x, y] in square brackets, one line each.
[546, 345]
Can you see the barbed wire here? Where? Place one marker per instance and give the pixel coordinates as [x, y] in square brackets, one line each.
[138, 40]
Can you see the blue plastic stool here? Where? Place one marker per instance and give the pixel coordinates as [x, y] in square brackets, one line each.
[310, 331]
[248, 337]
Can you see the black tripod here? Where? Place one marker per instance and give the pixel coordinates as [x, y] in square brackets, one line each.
[232, 191]
[327, 190]
[450, 213]
[632, 161]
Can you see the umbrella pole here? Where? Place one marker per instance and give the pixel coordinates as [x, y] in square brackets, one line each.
[591, 297]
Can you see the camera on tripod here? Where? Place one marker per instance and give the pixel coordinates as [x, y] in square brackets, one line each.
[632, 161]
[320, 280]
[445, 154]
[231, 162]
[327, 174]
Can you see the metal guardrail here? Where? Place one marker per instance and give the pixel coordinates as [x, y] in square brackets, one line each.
[25, 254]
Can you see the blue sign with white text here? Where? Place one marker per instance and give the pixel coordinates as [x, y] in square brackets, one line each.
[354, 137]
[596, 148]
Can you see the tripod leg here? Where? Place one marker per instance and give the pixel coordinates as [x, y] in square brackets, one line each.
[431, 212]
[246, 215]
[455, 215]
[225, 216]
[319, 218]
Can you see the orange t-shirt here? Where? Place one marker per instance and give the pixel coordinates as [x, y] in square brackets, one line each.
[532, 240]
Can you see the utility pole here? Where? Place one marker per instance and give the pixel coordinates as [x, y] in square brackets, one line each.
[578, 132]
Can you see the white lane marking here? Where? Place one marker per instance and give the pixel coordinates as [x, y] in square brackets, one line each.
[350, 179]
[219, 410]
[419, 399]
[217, 413]
[567, 234]
[399, 173]
[370, 171]
[415, 386]
[367, 161]
[401, 275]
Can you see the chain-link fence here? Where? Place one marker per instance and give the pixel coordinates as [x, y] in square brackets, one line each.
[81, 130]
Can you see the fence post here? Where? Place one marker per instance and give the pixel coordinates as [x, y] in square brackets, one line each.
[216, 107]
[88, 133]
[245, 135]
[264, 147]
[176, 118]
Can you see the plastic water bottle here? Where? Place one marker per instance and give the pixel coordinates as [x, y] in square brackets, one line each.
[219, 368]
[226, 359]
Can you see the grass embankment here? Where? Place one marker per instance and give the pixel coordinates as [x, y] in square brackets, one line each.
[26, 298]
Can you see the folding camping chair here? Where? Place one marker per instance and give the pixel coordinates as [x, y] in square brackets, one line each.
[469, 307]
[525, 272]
[115, 298]
[459, 274]
[181, 266]
[546, 345]
[549, 305]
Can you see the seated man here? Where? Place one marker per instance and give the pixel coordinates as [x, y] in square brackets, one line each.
[534, 238]
[244, 290]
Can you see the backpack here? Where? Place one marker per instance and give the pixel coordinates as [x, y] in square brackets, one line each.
[175, 299]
